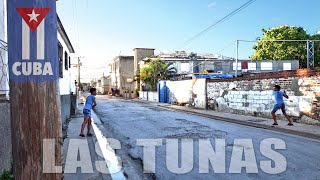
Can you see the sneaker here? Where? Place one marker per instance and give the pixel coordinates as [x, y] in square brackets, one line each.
[275, 124]
[82, 135]
[290, 124]
[89, 134]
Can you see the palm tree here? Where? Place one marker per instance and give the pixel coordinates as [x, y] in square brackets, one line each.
[167, 71]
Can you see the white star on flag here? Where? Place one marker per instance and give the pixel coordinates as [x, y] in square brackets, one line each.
[33, 16]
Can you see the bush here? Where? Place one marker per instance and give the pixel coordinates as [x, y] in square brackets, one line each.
[6, 175]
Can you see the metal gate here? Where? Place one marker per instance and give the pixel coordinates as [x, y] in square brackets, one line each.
[164, 92]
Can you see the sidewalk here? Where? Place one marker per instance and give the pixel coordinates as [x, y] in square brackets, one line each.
[309, 131]
[87, 143]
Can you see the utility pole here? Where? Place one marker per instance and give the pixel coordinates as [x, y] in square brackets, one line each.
[79, 66]
[237, 57]
[34, 89]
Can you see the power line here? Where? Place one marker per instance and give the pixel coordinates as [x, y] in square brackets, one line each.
[221, 20]
[280, 40]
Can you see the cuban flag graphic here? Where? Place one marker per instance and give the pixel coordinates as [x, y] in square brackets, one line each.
[33, 20]
[32, 41]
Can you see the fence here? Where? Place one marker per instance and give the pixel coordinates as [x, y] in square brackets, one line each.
[4, 77]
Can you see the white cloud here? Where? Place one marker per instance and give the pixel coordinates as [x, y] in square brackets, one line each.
[211, 5]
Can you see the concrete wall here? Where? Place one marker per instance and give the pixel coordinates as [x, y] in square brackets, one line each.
[65, 107]
[191, 92]
[149, 96]
[253, 95]
[5, 134]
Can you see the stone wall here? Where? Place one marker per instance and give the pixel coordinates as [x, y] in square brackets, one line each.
[253, 94]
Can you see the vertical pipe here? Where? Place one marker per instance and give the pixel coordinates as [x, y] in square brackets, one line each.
[79, 71]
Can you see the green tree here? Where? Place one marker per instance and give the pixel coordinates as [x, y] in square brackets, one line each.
[155, 70]
[271, 50]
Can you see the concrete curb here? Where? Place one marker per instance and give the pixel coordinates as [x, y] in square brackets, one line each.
[107, 153]
[250, 124]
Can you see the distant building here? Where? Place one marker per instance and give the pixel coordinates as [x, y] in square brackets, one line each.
[189, 64]
[139, 55]
[103, 85]
[121, 69]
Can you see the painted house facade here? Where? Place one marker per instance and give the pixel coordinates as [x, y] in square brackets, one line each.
[67, 79]
[121, 69]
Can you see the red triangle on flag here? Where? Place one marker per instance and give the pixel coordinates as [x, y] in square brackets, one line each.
[33, 16]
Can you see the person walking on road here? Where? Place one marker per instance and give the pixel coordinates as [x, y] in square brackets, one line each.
[278, 95]
[90, 104]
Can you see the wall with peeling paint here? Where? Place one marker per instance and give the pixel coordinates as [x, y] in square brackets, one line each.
[255, 96]
[188, 92]
[149, 96]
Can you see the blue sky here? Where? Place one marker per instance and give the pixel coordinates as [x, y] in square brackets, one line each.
[101, 29]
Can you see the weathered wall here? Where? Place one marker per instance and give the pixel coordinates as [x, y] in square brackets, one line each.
[191, 92]
[65, 107]
[126, 72]
[180, 91]
[5, 134]
[253, 94]
[149, 96]
[73, 105]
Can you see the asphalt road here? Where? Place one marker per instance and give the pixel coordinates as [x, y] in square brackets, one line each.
[129, 121]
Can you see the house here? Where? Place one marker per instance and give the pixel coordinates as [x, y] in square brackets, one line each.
[139, 55]
[121, 69]
[67, 79]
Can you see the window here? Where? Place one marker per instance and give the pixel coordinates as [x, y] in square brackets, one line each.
[266, 66]
[287, 66]
[252, 66]
[66, 61]
[69, 62]
[60, 58]
[239, 66]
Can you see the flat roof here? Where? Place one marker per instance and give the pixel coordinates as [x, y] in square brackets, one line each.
[145, 48]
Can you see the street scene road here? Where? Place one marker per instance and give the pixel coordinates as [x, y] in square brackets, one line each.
[128, 121]
[166, 90]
